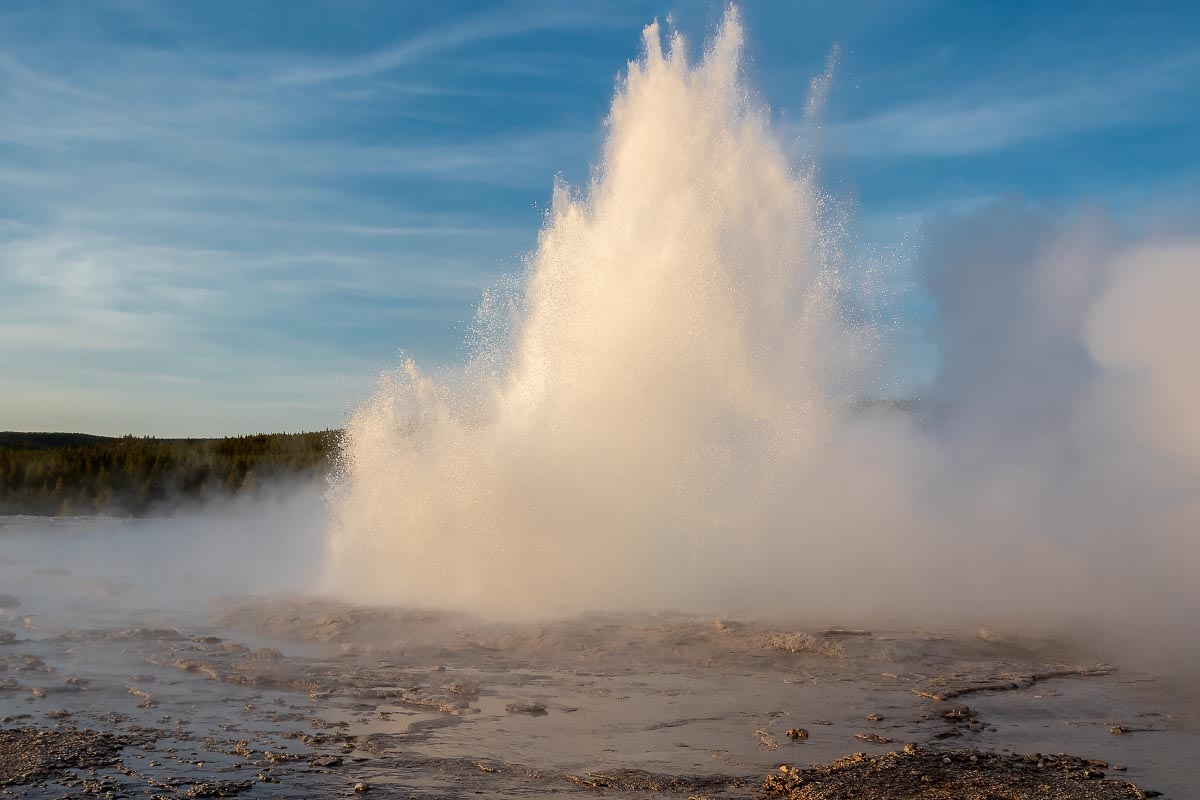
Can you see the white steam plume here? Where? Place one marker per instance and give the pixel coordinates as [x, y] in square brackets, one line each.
[668, 410]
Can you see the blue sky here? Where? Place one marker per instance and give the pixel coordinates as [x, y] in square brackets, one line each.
[225, 217]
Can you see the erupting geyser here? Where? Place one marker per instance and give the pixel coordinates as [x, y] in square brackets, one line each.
[630, 413]
[666, 410]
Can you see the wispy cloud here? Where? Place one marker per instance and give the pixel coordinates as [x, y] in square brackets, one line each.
[993, 117]
[162, 215]
[504, 23]
[184, 184]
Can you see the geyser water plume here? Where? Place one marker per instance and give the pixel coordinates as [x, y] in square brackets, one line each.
[632, 414]
[667, 409]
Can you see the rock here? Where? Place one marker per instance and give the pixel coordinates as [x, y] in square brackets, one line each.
[958, 713]
[326, 761]
[874, 738]
[361, 787]
[765, 739]
[876, 717]
[29, 756]
[534, 709]
[7, 637]
[803, 643]
[265, 654]
[150, 634]
[958, 774]
[219, 789]
[1118, 729]
[797, 733]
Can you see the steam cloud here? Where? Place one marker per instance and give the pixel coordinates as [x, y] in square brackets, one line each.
[667, 410]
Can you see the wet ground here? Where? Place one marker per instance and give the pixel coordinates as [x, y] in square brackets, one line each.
[119, 677]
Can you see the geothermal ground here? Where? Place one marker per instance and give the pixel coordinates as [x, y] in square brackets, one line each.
[108, 691]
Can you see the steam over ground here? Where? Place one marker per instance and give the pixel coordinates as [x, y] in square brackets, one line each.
[667, 409]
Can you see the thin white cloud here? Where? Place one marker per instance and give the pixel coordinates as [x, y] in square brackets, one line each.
[995, 118]
[13, 67]
[171, 209]
[494, 25]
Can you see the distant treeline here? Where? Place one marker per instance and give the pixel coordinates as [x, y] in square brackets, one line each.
[49, 474]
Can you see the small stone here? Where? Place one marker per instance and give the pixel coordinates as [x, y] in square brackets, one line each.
[361, 787]
[1118, 729]
[958, 713]
[265, 654]
[874, 738]
[797, 733]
